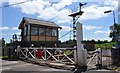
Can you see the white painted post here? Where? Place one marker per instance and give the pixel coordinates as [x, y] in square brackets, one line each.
[34, 50]
[80, 49]
[84, 51]
[75, 55]
[99, 58]
[44, 52]
[26, 53]
[18, 51]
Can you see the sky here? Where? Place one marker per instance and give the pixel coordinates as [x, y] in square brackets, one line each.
[95, 23]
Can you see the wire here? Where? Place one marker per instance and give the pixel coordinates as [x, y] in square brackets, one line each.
[65, 34]
[15, 4]
[29, 1]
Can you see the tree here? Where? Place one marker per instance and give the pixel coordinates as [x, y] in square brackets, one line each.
[93, 40]
[115, 30]
[105, 41]
[68, 43]
[99, 42]
[2, 42]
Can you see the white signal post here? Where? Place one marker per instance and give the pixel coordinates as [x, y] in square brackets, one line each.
[81, 52]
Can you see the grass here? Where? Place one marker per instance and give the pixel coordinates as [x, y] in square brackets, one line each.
[105, 45]
[67, 52]
[1, 57]
[118, 69]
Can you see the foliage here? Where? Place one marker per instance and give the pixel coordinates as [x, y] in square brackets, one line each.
[1, 57]
[101, 42]
[115, 29]
[69, 43]
[67, 52]
[98, 44]
[118, 69]
[105, 45]
[8, 44]
[2, 42]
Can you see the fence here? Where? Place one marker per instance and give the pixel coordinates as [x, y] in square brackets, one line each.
[59, 55]
[7, 51]
[94, 59]
[115, 56]
[52, 54]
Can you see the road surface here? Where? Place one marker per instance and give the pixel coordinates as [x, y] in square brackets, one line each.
[8, 66]
[24, 67]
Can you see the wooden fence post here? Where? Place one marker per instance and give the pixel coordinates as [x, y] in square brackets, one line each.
[2, 51]
[9, 54]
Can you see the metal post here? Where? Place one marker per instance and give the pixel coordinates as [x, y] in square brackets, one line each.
[114, 17]
[115, 29]
[74, 28]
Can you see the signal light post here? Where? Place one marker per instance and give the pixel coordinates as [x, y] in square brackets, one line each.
[74, 20]
[80, 52]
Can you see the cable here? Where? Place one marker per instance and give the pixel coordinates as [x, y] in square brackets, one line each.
[26, 2]
[65, 34]
[15, 4]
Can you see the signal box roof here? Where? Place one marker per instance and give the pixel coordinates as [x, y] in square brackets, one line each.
[38, 23]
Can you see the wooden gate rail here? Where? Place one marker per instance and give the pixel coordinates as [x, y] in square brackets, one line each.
[54, 54]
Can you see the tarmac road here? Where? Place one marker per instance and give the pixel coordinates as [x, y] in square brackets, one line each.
[14, 66]
[24, 67]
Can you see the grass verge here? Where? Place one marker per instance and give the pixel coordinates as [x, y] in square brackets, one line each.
[1, 57]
